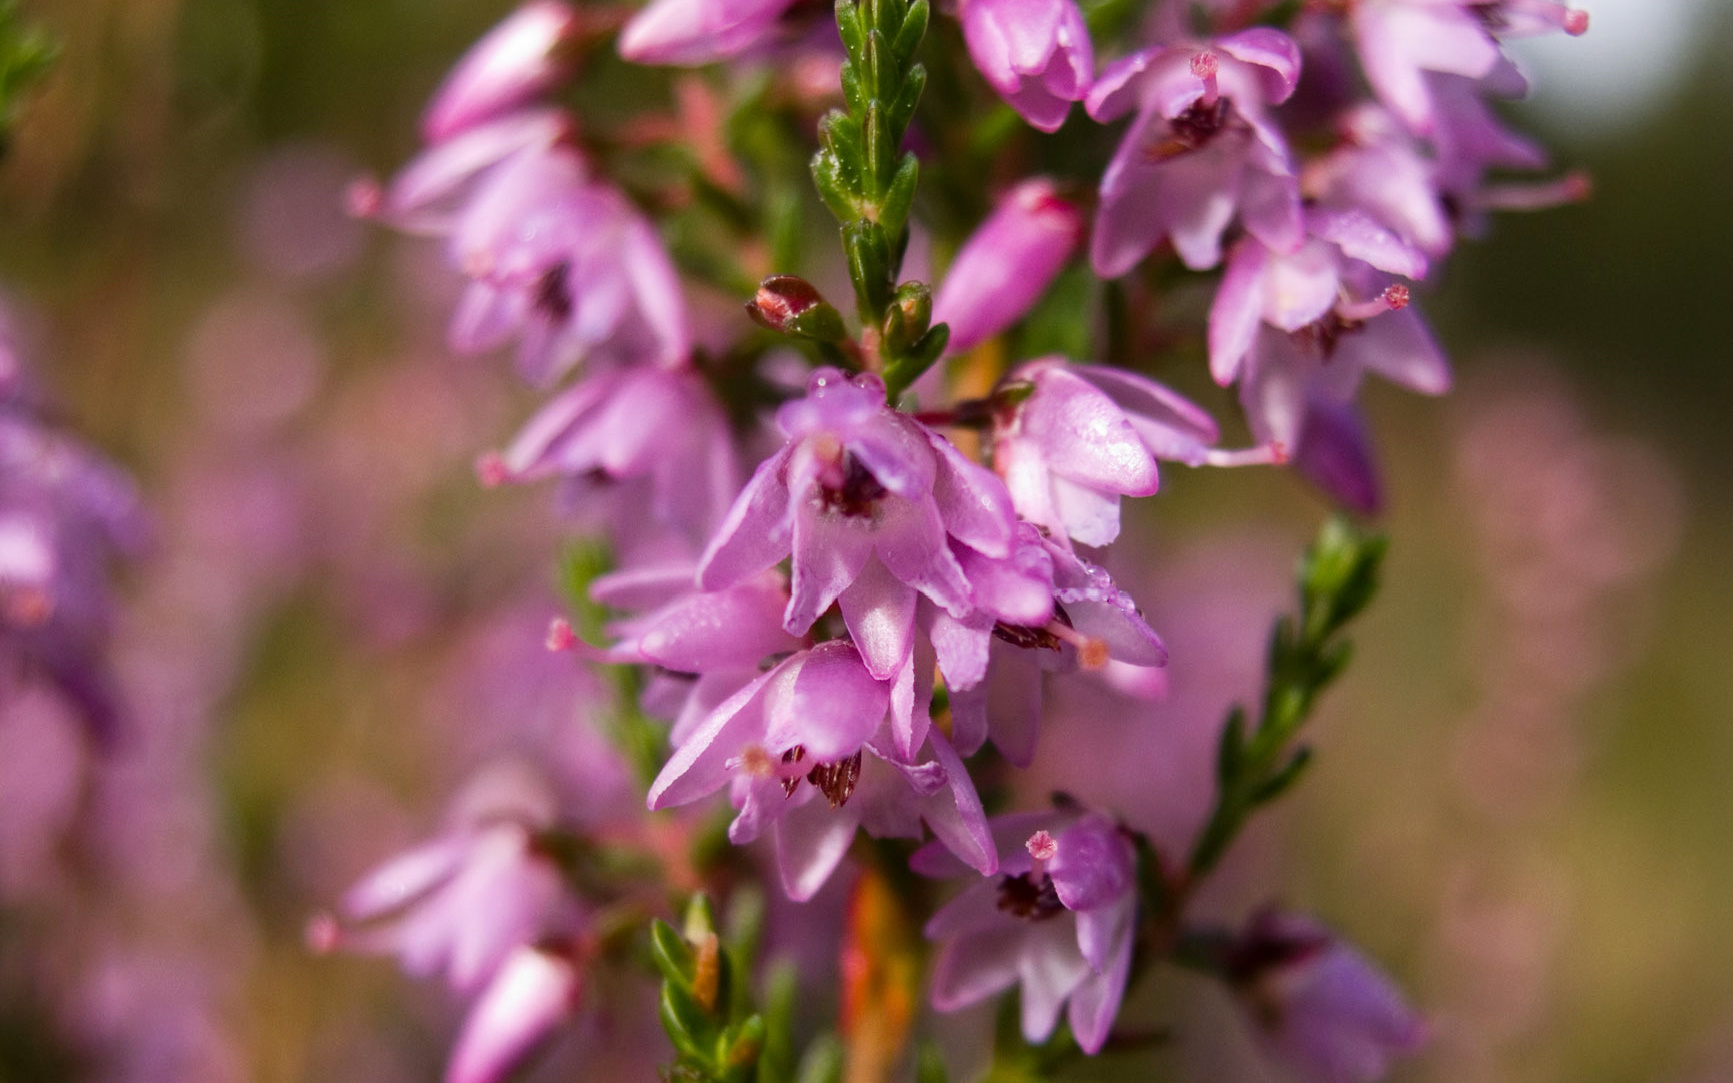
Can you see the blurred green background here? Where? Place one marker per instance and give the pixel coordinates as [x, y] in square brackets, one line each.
[1522, 802]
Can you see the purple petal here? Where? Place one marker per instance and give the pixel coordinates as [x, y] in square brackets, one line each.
[972, 500]
[956, 816]
[1094, 866]
[756, 532]
[1271, 50]
[1095, 1002]
[910, 539]
[970, 970]
[1085, 436]
[879, 610]
[830, 550]
[811, 841]
[1237, 310]
[834, 707]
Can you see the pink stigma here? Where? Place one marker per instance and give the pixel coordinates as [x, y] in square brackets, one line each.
[1042, 846]
[364, 197]
[322, 934]
[1397, 297]
[561, 638]
[491, 470]
[1205, 66]
[1576, 23]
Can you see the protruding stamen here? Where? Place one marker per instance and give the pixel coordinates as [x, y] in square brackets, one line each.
[1571, 188]
[758, 763]
[1042, 846]
[1092, 653]
[1393, 299]
[322, 934]
[365, 197]
[491, 470]
[1205, 66]
[1274, 453]
[561, 638]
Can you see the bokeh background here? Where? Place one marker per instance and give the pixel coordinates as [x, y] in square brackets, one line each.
[1521, 802]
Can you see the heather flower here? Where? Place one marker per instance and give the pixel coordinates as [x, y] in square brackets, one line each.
[623, 424]
[1202, 149]
[1057, 918]
[534, 991]
[802, 752]
[1298, 332]
[66, 517]
[520, 59]
[1319, 1006]
[1381, 171]
[1035, 53]
[693, 32]
[1305, 290]
[1400, 41]
[1008, 263]
[1086, 435]
[868, 501]
[428, 193]
[995, 664]
[705, 645]
[565, 265]
[459, 904]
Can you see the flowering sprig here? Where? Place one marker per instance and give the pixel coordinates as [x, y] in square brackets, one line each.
[715, 1039]
[1338, 577]
[871, 188]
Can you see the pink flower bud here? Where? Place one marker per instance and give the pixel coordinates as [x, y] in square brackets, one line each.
[533, 993]
[1005, 267]
[520, 58]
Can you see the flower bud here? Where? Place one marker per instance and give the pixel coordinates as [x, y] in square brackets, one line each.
[1005, 267]
[520, 58]
[791, 305]
[533, 993]
[1320, 1008]
[908, 317]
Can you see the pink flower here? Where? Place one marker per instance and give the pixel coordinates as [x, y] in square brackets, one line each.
[520, 59]
[868, 502]
[1035, 53]
[639, 422]
[533, 993]
[1319, 1006]
[1400, 41]
[458, 905]
[693, 32]
[1058, 918]
[1306, 287]
[568, 267]
[995, 662]
[802, 752]
[1202, 149]
[1008, 263]
[1087, 435]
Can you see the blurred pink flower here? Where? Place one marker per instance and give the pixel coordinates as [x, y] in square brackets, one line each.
[1008, 263]
[1035, 53]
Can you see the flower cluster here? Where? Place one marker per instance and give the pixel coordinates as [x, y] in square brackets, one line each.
[66, 517]
[912, 558]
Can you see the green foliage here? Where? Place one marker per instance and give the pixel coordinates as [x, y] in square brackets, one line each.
[869, 183]
[26, 54]
[641, 741]
[715, 1039]
[1337, 578]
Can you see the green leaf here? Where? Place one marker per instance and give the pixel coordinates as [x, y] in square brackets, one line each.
[909, 35]
[824, 1061]
[689, 1027]
[900, 196]
[930, 1066]
[672, 954]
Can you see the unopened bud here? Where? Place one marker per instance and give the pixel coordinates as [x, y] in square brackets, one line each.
[908, 318]
[791, 305]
